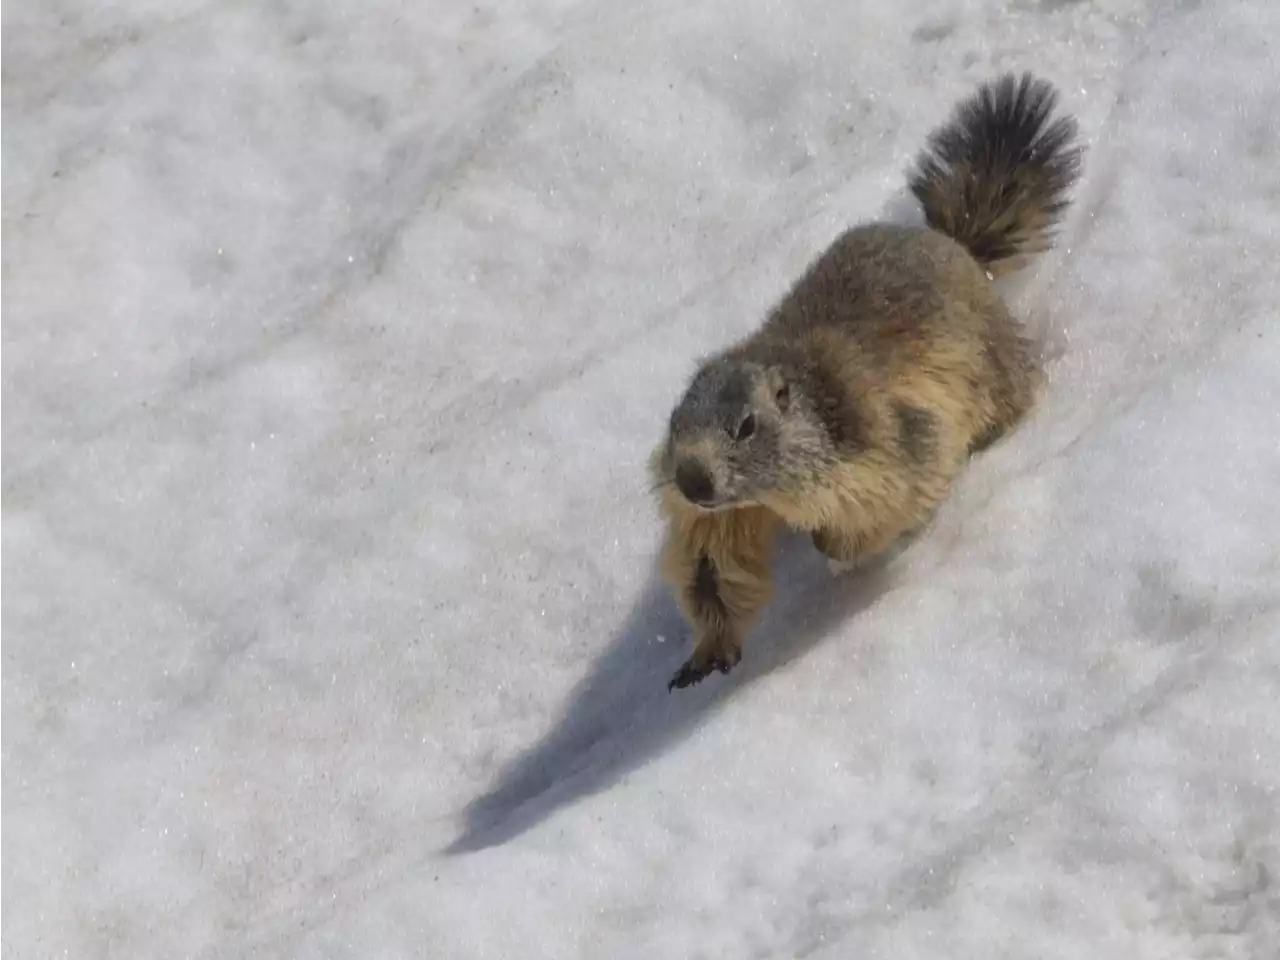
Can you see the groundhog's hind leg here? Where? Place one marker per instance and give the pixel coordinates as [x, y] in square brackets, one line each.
[1012, 376]
[986, 437]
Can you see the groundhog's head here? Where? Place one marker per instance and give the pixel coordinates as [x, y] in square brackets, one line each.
[733, 434]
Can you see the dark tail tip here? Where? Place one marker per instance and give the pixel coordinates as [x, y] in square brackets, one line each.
[995, 177]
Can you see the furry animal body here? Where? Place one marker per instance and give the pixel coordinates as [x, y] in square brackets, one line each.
[850, 411]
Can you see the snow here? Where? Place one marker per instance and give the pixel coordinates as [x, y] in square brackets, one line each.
[336, 337]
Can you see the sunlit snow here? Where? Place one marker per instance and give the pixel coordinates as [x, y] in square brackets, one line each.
[335, 338]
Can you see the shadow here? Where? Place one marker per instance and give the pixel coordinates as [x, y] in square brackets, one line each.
[620, 715]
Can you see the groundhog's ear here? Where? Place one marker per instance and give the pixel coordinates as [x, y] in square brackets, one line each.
[779, 388]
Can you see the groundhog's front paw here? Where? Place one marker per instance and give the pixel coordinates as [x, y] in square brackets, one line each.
[700, 666]
[834, 546]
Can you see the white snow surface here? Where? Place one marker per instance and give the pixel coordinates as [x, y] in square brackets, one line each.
[335, 338]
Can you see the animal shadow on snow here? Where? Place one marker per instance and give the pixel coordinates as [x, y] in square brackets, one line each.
[621, 714]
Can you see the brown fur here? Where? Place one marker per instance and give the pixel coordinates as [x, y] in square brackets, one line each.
[890, 362]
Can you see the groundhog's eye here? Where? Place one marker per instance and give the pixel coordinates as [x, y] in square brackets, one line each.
[747, 427]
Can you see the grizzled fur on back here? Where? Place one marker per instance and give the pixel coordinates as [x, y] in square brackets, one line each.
[851, 410]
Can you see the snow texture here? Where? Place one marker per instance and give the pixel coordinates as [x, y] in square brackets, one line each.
[335, 338]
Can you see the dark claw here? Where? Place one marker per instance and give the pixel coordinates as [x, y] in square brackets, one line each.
[692, 673]
[687, 676]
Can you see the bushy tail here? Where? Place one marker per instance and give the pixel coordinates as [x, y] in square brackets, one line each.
[995, 176]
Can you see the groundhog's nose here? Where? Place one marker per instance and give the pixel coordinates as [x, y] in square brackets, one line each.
[693, 480]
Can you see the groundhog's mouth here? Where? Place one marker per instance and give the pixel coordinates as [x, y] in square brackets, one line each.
[716, 506]
[705, 506]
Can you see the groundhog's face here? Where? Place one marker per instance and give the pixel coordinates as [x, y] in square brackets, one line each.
[726, 438]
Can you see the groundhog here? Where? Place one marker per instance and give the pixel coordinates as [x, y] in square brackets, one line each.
[891, 361]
